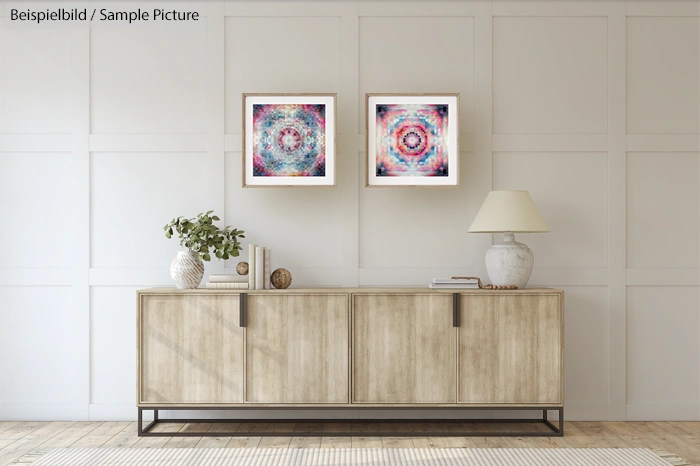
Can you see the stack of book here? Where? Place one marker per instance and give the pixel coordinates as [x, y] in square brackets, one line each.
[259, 267]
[258, 278]
[228, 282]
[454, 283]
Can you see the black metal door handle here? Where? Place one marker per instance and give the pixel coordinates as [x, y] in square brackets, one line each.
[243, 309]
[456, 314]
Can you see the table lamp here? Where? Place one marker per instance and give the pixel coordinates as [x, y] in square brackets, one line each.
[509, 212]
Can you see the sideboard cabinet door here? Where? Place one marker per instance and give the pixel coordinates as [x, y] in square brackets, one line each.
[190, 349]
[297, 348]
[510, 349]
[403, 349]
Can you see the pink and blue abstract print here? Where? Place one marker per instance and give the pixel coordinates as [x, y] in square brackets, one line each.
[289, 140]
[412, 140]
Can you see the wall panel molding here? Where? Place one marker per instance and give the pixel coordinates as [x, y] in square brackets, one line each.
[10, 276]
[663, 411]
[80, 103]
[348, 173]
[281, 8]
[617, 208]
[663, 276]
[663, 8]
[216, 114]
[433, 8]
[42, 412]
[148, 143]
[547, 8]
[550, 142]
[569, 276]
[483, 123]
[663, 143]
[36, 143]
[586, 411]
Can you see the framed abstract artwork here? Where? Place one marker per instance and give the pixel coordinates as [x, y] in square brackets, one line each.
[289, 140]
[412, 139]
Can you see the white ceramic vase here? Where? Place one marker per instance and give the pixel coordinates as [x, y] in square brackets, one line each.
[509, 262]
[187, 270]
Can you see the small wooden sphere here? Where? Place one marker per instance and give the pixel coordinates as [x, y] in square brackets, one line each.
[281, 279]
[242, 268]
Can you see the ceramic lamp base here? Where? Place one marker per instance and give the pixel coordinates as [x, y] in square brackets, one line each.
[509, 262]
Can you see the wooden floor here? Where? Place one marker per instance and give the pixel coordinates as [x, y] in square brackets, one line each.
[17, 439]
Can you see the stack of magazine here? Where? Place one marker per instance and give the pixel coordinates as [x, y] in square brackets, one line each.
[228, 282]
[454, 283]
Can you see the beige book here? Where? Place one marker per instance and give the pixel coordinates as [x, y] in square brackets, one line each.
[228, 278]
[227, 286]
[251, 266]
[260, 268]
[268, 269]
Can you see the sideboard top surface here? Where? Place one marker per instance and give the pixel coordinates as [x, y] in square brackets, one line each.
[365, 290]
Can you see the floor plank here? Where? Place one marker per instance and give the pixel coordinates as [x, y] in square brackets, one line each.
[71, 435]
[18, 431]
[366, 442]
[306, 440]
[657, 437]
[5, 425]
[33, 440]
[277, 442]
[157, 442]
[244, 442]
[428, 442]
[101, 435]
[213, 442]
[247, 442]
[397, 442]
[336, 442]
[124, 439]
[595, 435]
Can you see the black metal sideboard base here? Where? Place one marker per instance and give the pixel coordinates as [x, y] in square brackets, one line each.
[556, 431]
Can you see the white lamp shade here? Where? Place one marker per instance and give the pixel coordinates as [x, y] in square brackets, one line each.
[509, 211]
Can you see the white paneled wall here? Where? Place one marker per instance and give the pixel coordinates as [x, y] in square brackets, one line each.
[107, 133]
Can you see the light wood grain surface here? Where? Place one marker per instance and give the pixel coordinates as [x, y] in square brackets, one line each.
[403, 349]
[510, 349]
[297, 348]
[191, 349]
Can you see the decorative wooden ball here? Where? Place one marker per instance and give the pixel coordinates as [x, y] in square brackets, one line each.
[242, 268]
[281, 279]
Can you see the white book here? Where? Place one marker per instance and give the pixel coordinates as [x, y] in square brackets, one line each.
[227, 286]
[455, 286]
[260, 268]
[228, 278]
[251, 266]
[455, 280]
[268, 269]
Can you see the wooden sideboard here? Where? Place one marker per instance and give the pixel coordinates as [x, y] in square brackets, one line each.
[350, 348]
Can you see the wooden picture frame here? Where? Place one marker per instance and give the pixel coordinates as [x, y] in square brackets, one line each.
[412, 140]
[289, 140]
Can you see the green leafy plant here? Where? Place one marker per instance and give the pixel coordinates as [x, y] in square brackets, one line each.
[200, 234]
